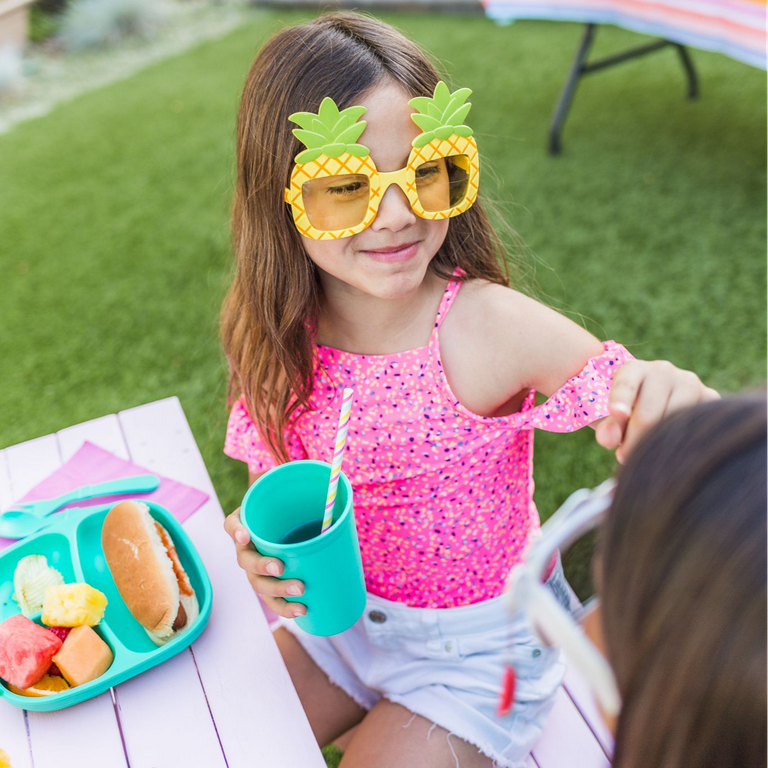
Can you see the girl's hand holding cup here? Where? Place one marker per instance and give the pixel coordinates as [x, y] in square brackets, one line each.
[264, 572]
[297, 520]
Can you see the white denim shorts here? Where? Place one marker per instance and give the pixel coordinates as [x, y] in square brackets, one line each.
[446, 664]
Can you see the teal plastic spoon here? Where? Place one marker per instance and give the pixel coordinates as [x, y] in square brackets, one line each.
[15, 527]
[26, 519]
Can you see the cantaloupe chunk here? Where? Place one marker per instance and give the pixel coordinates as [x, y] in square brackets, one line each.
[70, 605]
[83, 657]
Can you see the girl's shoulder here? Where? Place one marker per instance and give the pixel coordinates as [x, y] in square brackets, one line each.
[497, 342]
[487, 301]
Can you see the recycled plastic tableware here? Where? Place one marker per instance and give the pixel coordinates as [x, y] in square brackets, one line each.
[289, 498]
[6, 606]
[72, 545]
[29, 517]
[20, 527]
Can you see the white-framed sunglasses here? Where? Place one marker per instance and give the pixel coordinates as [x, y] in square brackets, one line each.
[526, 591]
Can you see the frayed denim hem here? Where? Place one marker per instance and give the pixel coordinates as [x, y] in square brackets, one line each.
[497, 759]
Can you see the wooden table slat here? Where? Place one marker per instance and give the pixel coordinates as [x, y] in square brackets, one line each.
[165, 718]
[31, 462]
[86, 734]
[567, 741]
[104, 432]
[581, 694]
[13, 737]
[13, 728]
[583, 698]
[6, 495]
[248, 687]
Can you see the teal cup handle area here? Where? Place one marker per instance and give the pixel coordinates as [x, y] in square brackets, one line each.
[284, 500]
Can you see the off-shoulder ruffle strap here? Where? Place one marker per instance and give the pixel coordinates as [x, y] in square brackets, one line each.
[583, 398]
[244, 442]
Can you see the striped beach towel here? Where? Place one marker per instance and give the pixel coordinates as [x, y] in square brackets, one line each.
[736, 28]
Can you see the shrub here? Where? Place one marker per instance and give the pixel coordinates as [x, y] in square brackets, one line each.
[42, 24]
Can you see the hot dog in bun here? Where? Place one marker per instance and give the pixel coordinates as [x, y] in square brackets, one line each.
[147, 571]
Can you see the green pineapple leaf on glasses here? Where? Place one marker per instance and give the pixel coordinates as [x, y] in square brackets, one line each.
[330, 132]
[441, 115]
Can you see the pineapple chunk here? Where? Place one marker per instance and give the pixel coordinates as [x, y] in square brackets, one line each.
[72, 605]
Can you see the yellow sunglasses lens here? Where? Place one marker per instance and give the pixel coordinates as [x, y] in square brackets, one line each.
[443, 183]
[336, 202]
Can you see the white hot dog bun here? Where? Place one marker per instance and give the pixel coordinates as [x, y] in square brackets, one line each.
[147, 571]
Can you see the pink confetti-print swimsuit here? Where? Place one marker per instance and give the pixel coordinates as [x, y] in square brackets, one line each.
[443, 498]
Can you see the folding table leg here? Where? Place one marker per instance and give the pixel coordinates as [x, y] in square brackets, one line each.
[693, 81]
[580, 67]
[561, 111]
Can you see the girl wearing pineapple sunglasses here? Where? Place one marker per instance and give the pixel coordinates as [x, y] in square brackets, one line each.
[351, 250]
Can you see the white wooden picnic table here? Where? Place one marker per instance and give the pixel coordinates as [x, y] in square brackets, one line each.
[227, 701]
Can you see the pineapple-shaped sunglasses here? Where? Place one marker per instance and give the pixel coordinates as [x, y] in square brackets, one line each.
[336, 189]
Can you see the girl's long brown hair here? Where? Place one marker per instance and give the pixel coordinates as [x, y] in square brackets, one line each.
[682, 574]
[273, 301]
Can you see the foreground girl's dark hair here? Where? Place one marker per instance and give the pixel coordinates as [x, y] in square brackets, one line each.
[682, 567]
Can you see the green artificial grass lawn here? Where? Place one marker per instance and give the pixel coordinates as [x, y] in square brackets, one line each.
[114, 250]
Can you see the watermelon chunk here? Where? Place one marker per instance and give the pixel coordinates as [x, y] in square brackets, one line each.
[26, 651]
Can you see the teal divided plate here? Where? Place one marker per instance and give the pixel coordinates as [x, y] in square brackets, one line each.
[73, 547]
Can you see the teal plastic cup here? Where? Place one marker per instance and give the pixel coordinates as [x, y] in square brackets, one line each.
[279, 511]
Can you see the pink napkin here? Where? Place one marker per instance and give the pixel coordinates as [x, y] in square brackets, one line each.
[91, 465]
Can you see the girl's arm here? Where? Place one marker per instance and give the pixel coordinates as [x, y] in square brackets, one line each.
[497, 344]
[642, 391]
